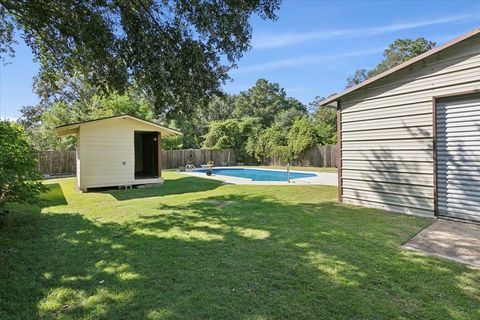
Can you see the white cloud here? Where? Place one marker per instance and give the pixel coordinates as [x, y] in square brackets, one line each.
[303, 60]
[287, 39]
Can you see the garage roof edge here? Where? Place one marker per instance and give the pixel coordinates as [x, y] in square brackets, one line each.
[401, 66]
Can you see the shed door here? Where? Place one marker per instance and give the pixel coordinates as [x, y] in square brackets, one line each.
[458, 157]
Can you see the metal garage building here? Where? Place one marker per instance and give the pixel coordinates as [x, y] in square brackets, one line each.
[409, 138]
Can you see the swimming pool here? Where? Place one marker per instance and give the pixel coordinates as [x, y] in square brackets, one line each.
[258, 174]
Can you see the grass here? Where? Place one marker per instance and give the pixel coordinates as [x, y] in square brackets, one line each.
[196, 249]
[315, 169]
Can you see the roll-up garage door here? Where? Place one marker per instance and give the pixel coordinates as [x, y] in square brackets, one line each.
[458, 157]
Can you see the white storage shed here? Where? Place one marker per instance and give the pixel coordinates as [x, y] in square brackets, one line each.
[118, 151]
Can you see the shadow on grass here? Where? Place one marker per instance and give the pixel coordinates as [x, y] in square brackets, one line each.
[53, 196]
[233, 256]
[170, 187]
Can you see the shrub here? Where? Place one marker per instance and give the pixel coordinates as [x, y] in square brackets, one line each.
[19, 179]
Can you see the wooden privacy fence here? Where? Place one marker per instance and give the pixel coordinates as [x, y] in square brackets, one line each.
[316, 156]
[64, 162]
[179, 158]
[57, 162]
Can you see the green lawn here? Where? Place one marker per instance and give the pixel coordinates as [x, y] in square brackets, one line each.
[195, 249]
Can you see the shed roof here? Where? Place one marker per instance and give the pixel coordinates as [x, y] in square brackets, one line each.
[72, 128]
[401, 66]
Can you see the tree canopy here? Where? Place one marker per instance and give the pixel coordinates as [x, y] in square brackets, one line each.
[287, 145]
[178, 52]
[263, 119]
[230, 133]
[399, 51]
[264, 101]
[262, 144]
[40, 121]
[259, 122]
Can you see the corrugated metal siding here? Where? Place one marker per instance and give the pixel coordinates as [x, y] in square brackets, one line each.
[387, 131]
[458, 157]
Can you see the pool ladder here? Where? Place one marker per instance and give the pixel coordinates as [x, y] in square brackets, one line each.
[190, 167]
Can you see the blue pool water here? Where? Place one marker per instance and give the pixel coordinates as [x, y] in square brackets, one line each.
[258, 175]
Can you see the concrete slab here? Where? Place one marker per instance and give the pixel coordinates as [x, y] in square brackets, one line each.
[454, 240]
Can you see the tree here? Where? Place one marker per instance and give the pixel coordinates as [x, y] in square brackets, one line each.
[286, 118]
[192, 128]
[231, 133]
[402, 50]
[262, 144]
[19, 180]
[265, 101]
[219, 108]
[68, 89]
[326, 134]
[40, 121]
[287, 145]
[194, 125]
[172, 143]
[117, 104]
[358, 77]
[302, 136]
[399, 51]
[31, 116]
[43, 137]
[325, 120]
[313, 105]
[7, 36]
[178, 52]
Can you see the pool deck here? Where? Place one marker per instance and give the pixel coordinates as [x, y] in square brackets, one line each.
[321, 178]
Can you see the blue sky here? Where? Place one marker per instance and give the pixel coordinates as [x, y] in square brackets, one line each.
[310, 50]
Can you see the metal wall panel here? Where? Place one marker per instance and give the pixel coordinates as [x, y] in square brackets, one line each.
[413, 98]
[388, 187]
[390, 134]
[390, 207]
[400, 144]
[390, 177]
[380, 155]
[389, 166]
[394, 111]
[396, 122]
[458, 157]
[386, 128]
